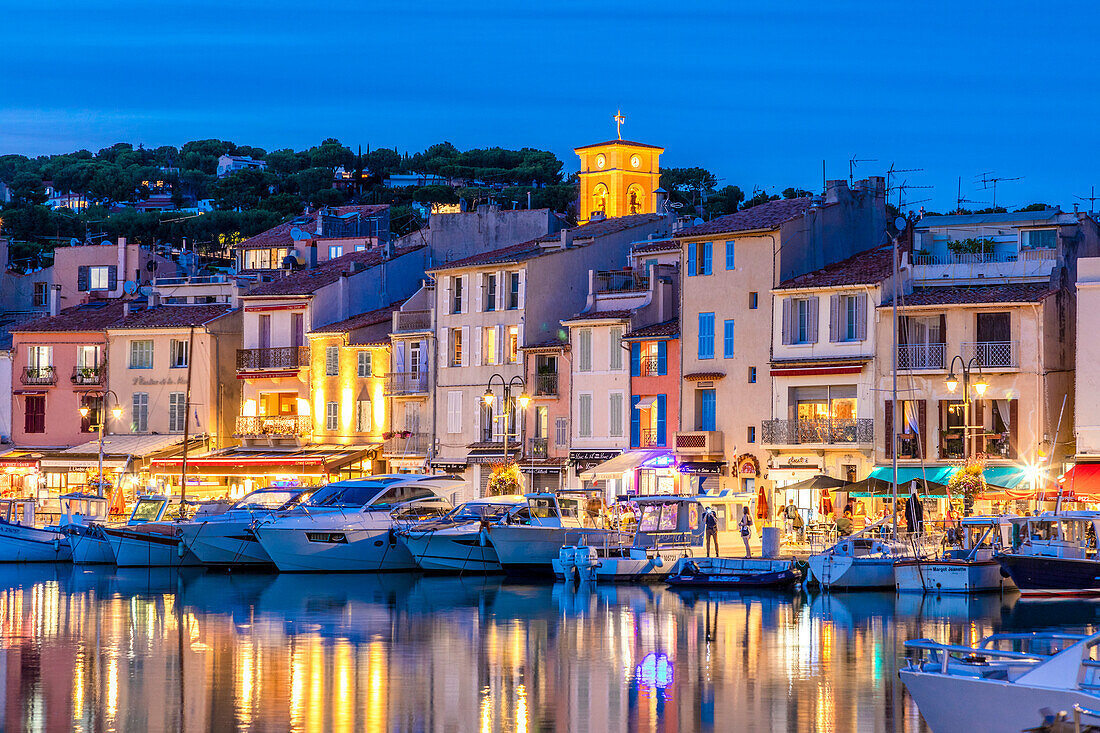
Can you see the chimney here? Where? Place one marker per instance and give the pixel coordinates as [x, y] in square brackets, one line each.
[835, 190]
[311, 258]
[343, 297]
[55, 299]
[125, 308]
[154, 299]
[662, 200]
[566, 238]
[121, 252]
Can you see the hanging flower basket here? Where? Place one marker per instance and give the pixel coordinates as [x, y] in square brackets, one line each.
[505, 478]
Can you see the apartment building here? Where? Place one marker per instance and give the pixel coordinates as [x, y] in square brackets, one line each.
[410, 384]
[487, 307]
[547, 372]
[313, 238]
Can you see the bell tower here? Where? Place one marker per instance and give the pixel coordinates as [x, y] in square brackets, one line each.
[618, 177]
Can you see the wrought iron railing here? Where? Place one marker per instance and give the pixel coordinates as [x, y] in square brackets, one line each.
[984, 258]
[285, 425]
[399, 383]
[649, 366]
[412, 320]
[822, 432]
[649, 438]
[538, 447]
[621, 281]
[407, 443]
[992, 353]
[89, 374]
[546, 385]
[40, 375]
[279, 357]
[920, 356]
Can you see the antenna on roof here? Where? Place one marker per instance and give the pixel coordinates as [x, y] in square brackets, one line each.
[905, 186]
[960, 199]
[852, 162]
[1092, 198]
[988, 178]
[893, 172]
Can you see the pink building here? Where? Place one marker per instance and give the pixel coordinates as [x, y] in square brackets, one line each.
[90, 271]
[545, 454]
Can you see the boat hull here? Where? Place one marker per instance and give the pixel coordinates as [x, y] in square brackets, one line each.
[133, 549]
[90, 549]
[359, 550]
[452, 552]
[224, 543]
[638, 566]
[853, 573]
[734, 573]
[952, 703]
[1052, 576]
[949, 576]
[526, 549]
[31, 544]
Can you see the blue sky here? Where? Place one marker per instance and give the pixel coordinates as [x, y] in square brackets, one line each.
[759, 93]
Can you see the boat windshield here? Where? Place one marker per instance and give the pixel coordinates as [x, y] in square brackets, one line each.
[269, 499]
[147, 510]
[660, 518]
[478, 512]
[543, 508]
[348, 494]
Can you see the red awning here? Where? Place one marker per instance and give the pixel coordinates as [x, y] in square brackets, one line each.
[1082, 482]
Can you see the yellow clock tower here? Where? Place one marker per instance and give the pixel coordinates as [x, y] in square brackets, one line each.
[618, 177]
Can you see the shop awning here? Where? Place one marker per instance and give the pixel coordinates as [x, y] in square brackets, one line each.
[617, 466]
[118, 450]
[818, 482]
[932, 474]
[1081, 481]
[312, 460]
[644, 403]
[873, 487]
[1006, 477]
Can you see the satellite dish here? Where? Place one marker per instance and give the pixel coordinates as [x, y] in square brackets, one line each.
[151, 265]
[297, 234]
[900, 223]
[74, 242]
[146, 290]
[129, 287]
[697, 221]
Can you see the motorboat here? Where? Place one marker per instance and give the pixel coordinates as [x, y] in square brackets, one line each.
[1004, 682]
[352, 525]
[668, 529]
[967, 565]
[81, 515]
[152, 536]
[458, 541]
[861, 560]
[227, 538]
[1054, 554]
[21, 541]
[531, 541]
[735, 572]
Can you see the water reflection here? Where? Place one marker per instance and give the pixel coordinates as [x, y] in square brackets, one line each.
[98, 649]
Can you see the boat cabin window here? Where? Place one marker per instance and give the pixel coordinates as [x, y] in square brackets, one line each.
[570, 508]
[5, 511]
[660, 518]
[422, 510]
[265, 499]
[147, 510]
[400, 495]
[478, 512]
[543, 508]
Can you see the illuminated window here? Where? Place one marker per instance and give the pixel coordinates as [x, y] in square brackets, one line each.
[511, 348]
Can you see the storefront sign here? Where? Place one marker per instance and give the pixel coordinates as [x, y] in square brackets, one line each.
[540, 470]
[747, 465]
[18, 463]
[797, 460]
[713, 468]
[146, 381]
[593, 455]
[449, 467]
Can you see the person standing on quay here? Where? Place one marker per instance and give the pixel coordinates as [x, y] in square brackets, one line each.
[710, 524]
[914, 514]
[745, 523]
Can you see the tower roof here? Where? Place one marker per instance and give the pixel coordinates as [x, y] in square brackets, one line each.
[624, 143]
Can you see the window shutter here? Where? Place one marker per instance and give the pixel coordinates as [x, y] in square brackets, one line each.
[399, 357]
[635, 421]
[661, 420]
[444, 359]
[786, 320]
[112, 277]
[498, 334]
[522, 288]
[888, 421]
[479, 354]
[477, 293]
[83, 279]
[861, 316]
[503, 287]
[662, 358]
[519, 338]
[708, 248]
[731, 261]
[465, 346]
[812, 315]
[834, 318]
[465, 293]
[691, 259]
[636, 359]
[943, 328]
[1014, 428]
[922, 421]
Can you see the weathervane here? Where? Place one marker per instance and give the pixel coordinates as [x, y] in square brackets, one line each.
[619, 120]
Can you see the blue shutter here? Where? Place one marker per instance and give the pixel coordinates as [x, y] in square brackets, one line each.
[635, 359]
[661, 420]
[635, 421]
[662, 358]
[730, 255]
[691, 258]
[727, 339]
[706, 335]
[707, 416]
[707, 249]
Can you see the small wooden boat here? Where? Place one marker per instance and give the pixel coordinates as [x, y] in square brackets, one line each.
[735, 572]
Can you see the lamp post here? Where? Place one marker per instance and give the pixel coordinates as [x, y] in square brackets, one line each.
[101, 419]
[980, 387]
[506, 409]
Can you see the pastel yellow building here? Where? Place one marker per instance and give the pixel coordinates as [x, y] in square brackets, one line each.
[618, 178]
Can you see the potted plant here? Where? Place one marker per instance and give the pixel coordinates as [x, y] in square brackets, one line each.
[969, 482]
[505, 478]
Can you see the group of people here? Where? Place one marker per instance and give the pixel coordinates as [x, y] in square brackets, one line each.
[850, 520]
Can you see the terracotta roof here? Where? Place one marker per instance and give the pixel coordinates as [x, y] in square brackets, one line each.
[619, 142]
[279, 236]
[619, 315]
[665, 245]
[361, 320]
[866, 268]
[556, 344]
[667, 328]
[530, 249]
[173, 316]
[768, 215]
[973, 295]
[703, 376]
[93, 317]
[306, 282]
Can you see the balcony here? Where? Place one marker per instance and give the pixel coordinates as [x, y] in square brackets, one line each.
[279, 426]
[622, 281]
[89, 375]
[818, 432]
[408, 444]
[649, 366]
[650, 438]
[699, 443]
[546, 385]
[914, 357]
[39, 376]
[538, 447]
[992, 354]
[412, 321]
[997, 263]
[406, 383]
[279, 357]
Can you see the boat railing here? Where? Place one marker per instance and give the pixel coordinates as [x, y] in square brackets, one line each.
[606, 540]
[943, 654]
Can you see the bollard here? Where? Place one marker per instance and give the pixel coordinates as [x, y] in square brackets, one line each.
[769, 542]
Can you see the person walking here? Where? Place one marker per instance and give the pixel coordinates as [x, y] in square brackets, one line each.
[745, 523]
[710, 525]
[789, 513]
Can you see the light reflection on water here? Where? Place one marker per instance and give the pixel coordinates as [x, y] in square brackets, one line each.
[100, 649]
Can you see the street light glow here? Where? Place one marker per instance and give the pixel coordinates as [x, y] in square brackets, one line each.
[488, 398]
[84, 411]
[116, 411]
[524, 398]
[980, 388]
[952, 383]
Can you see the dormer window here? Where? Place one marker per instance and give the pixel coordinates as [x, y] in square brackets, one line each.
[1040, 238]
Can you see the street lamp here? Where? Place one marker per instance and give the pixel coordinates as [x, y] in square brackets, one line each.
[980, 387]
[116, 412]
[506, 406]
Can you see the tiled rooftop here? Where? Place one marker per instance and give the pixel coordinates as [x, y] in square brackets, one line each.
[279, 236]
[109, 315]
[768, 215]
[361, 320]
[617, 315]
[976, 294]
[306, 282]
[866, 268]
[664, 329]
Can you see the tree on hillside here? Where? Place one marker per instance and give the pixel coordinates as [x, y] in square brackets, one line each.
[27, 189]
[242, 190]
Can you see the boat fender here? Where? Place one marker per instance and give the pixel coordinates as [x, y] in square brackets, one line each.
[56, 544]
[392, 537]
[180, 549]
[482, 540]
[658, 562]
[1004, 573]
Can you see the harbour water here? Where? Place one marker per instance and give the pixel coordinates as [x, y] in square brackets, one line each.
[104, 649]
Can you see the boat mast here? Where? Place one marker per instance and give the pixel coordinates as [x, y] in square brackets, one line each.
[894, 391]
[186, 413]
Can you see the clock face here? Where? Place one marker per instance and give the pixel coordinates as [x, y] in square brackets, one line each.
[635, 161]
[601, 161]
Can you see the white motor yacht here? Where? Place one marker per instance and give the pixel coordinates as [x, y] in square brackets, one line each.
[1054, 554]
[352, 525]
[967, 567]
[1006, 682]
[227, 538]
[459, 541]
[532, 542]
[858, 561]
[21, 541]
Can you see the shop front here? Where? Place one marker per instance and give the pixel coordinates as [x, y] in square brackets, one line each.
[20, 474]
[543, 474]
[634, 473]
[582, 461]
[126, 464]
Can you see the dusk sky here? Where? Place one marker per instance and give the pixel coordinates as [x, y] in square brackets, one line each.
[759, 93]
